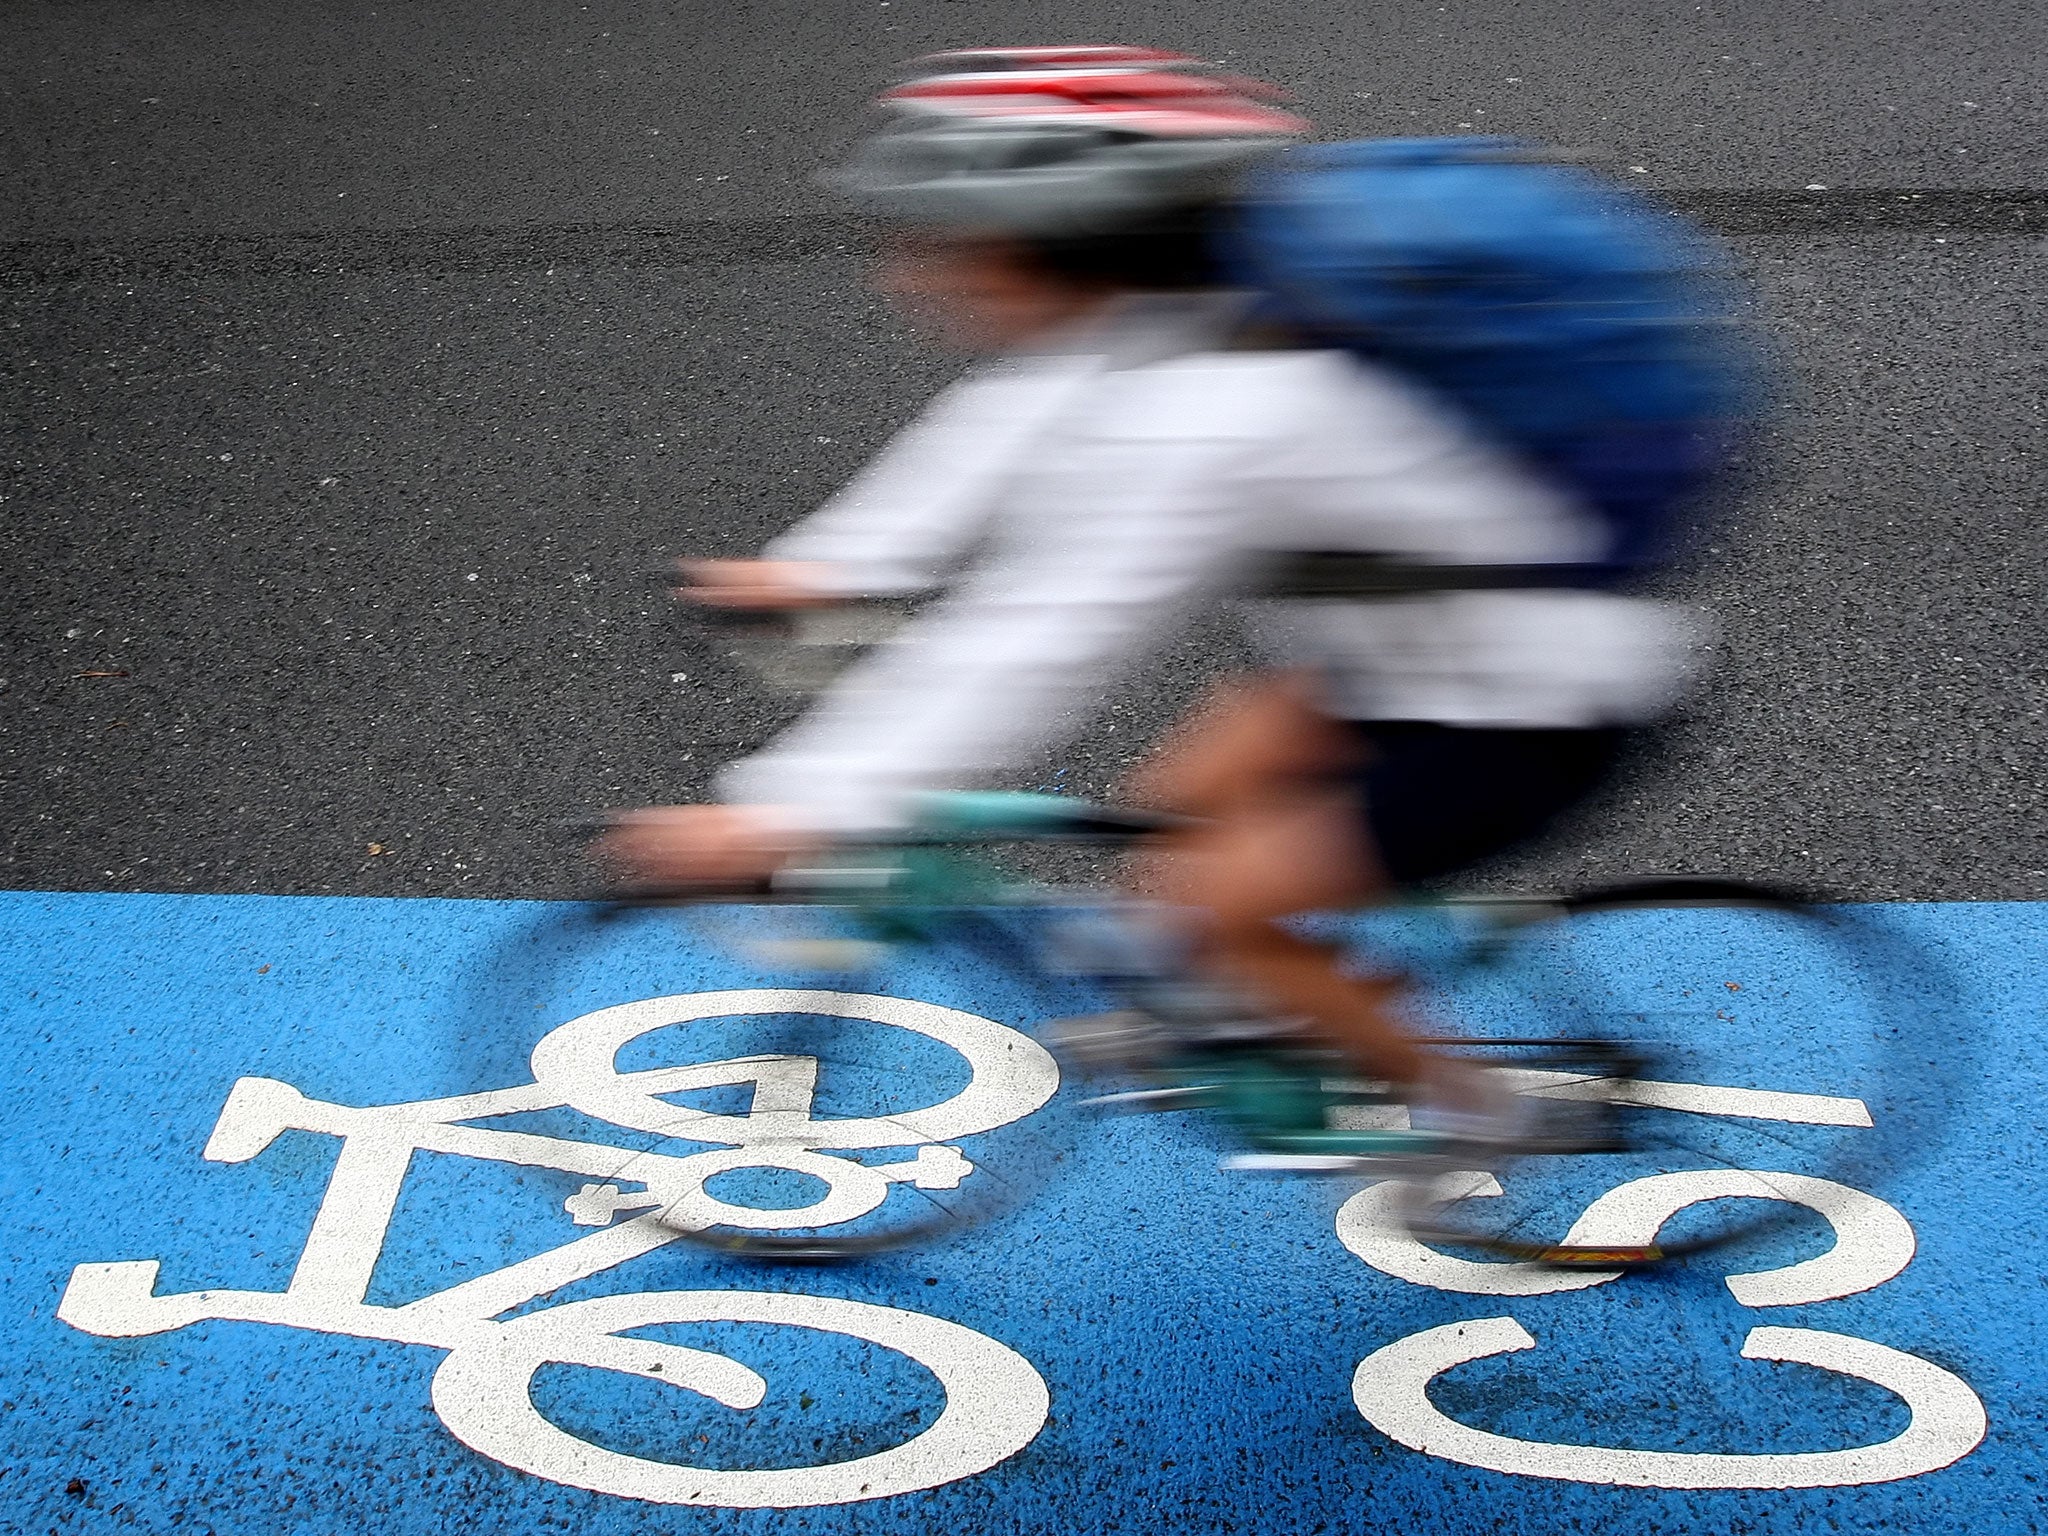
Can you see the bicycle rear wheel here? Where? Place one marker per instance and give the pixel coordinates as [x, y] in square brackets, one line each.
[1700, 1063]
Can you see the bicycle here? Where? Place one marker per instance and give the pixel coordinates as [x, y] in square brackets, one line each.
[1674, 1105]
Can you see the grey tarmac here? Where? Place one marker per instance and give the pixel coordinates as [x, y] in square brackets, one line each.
[359, 362]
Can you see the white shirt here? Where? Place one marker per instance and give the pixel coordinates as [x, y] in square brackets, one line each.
[1111, 488]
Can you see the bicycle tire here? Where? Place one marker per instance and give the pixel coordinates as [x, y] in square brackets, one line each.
[1727, 1110]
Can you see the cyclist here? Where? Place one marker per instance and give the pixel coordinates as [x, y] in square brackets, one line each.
[1137, 448]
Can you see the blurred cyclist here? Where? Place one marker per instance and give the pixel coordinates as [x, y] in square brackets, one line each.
[1135, 450]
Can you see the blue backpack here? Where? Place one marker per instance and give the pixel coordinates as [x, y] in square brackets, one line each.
[1569, 317]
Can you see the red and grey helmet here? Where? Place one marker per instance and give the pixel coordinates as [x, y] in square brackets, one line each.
[1060, 141]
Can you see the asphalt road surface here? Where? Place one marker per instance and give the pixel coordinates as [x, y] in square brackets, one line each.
[359, 365]
[360, 362]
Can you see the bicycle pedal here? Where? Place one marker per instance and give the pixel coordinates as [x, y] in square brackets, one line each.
[1573, 1146]
[1126, 1040]
[1252, 1034]
[1194, 1096]
[1293, 1162]
[1378, 1146]
[841, 956]
[1563, 1128]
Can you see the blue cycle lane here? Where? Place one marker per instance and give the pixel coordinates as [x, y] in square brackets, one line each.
[315, 1224]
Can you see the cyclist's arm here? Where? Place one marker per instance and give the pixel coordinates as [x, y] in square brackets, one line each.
[908, 518]
[1014, 660]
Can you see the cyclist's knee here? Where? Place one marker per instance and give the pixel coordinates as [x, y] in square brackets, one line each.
[1239, 930]
[1248, 740]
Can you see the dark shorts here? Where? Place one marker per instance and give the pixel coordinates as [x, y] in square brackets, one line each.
[1439, 798]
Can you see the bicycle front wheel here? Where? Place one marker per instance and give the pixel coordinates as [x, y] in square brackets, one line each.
[1698, 1064]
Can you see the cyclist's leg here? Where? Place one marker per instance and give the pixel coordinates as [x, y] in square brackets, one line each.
[1270, 857]
[1308, 814]
[1281, 835]
[1247, 736]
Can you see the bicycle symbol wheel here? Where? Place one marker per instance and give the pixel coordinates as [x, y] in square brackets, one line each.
[803, 1082]
[996, 1403]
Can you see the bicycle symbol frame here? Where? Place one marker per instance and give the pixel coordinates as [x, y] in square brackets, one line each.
[996, 1402]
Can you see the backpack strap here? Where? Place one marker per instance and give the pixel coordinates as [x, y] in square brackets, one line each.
[1353, 574]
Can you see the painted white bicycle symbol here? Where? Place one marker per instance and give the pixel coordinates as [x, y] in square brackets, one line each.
[1873, 1243]
[996, 1402]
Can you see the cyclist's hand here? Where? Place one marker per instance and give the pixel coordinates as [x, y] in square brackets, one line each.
[675, 846]
[754, 584]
